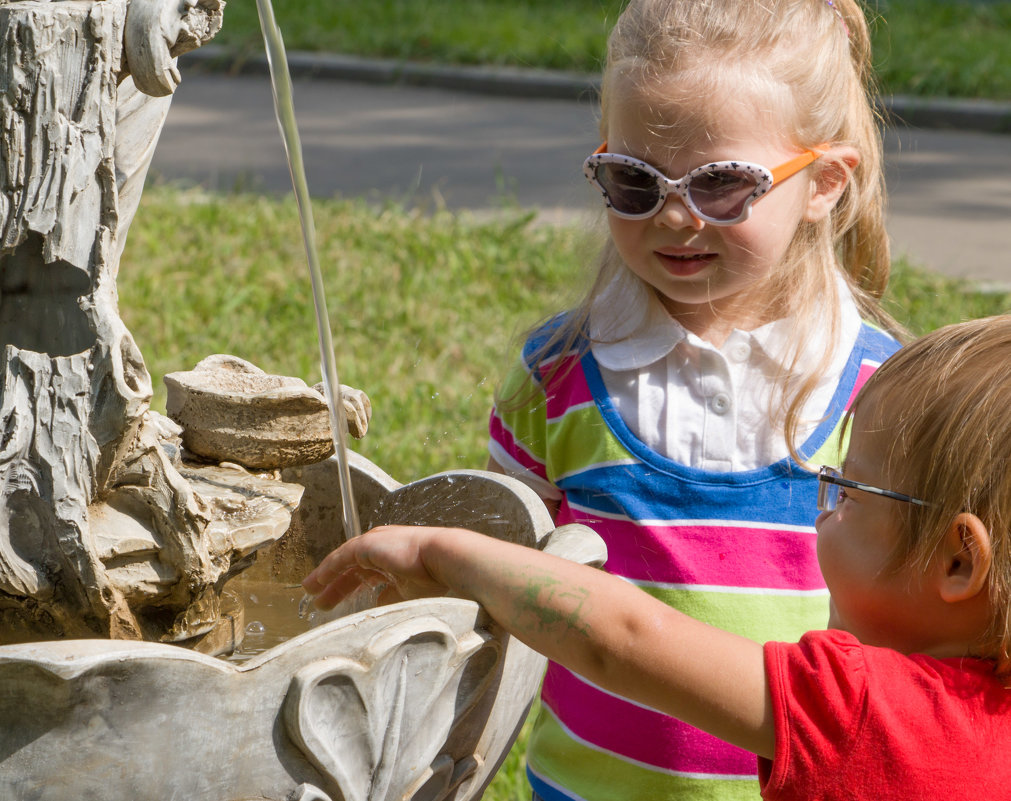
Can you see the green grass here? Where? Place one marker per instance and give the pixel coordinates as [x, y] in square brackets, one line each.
[954, 48]
[950, 48]
[562, 34]
[424, 311]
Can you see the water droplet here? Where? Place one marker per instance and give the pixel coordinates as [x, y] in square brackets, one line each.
[255, 627]
[304, 605]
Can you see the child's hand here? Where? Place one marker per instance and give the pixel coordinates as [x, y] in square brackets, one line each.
[390, 554]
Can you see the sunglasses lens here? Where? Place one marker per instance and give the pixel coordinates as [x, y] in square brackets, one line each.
[629, 189]
[722, 194]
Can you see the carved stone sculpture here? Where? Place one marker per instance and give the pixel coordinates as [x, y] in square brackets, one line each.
[100, 533]
[106, 531]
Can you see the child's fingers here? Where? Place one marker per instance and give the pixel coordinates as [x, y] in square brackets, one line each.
[389, 554]
[333, 565]
[337, 590]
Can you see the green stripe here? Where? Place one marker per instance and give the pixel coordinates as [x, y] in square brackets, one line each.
[832, 450]
[580, 439]
[603, 777]
[528, 422]
[758, 617]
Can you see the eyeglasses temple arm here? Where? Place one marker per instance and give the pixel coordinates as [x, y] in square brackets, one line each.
[784, 171]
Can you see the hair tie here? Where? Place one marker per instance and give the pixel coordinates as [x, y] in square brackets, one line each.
[838, 13]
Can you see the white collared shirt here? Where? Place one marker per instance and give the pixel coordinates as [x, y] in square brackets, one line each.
[704, 406]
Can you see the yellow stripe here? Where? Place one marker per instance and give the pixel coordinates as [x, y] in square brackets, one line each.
[759, 617]
[580, 439]
[603, 777]
[832, 450]
[528, 423]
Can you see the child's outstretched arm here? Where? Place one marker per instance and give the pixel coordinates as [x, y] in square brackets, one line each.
[599, 626]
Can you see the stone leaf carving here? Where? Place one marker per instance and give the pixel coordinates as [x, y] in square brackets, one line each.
[493, 504]
[409, 693]
[101, 720]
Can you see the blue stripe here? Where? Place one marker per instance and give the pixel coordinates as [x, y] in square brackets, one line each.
[641, 492]
[545, 791]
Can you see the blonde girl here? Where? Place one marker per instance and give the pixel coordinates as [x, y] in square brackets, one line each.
[733, 316]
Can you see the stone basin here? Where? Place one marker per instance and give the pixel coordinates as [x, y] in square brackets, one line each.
[417, 700]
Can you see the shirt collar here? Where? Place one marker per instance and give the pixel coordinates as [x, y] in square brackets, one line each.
[629, 326]
[777, 339]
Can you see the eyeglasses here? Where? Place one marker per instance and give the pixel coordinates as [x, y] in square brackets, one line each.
[830, 481]
[721, 193]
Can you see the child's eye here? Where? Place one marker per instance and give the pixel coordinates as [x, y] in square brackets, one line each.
[842, 496]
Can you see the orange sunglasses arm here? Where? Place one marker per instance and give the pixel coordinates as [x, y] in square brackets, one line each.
[795, 165]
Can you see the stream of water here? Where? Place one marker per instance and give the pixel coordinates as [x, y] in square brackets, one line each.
[280, 81]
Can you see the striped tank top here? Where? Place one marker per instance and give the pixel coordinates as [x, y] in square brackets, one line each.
[736, 550]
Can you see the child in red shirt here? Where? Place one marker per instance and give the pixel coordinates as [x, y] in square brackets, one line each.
[903, 696]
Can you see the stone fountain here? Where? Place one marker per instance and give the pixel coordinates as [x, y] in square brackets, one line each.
[128, 540]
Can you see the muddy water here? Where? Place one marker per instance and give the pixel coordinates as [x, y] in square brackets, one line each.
[270, 615]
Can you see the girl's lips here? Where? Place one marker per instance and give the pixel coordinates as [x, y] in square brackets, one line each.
[684, 263]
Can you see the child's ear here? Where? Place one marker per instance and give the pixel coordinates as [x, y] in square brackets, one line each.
[966, 555]
[832, 173]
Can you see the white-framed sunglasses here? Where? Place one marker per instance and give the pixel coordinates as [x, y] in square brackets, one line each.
[721, 193]
[830, 482]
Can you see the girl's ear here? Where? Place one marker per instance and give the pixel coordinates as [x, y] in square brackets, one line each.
[966, 556]
[832, 173]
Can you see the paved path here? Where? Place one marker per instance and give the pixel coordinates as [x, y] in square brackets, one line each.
[950, 192]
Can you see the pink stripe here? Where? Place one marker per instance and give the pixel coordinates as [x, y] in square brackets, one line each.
[710, 554]
[571, 390]
[637, 733]
[504, 437]
[865, 372]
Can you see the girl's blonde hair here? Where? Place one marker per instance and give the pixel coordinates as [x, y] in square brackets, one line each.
[811, 60]
[943, 407]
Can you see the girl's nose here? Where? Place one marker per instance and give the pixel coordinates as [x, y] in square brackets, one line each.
[675, 214]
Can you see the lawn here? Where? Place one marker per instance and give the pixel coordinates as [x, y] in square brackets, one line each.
[954, 48]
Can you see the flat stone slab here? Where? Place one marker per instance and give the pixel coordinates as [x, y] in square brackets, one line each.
[232, 411]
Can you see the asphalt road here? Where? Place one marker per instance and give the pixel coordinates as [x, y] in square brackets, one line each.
[949, 191]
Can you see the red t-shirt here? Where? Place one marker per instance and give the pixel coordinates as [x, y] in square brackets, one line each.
[857, 722]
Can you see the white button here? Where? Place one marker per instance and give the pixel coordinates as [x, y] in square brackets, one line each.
[740, 352]
[720, 403]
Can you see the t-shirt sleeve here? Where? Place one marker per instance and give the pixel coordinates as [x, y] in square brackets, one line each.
[518, 431]
[818, 688]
